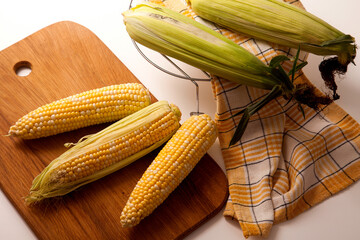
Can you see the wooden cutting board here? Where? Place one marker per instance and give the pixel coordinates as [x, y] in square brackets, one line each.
[66, 59]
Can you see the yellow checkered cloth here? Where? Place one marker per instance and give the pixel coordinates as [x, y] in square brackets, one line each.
[284, 164]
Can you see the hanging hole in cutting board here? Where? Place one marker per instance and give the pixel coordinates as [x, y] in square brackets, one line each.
[22, 68]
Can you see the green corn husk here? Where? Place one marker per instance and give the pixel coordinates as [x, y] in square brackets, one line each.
[181, 37]
[278, 22]
[50, 182]
[284, 24]
[178, 36]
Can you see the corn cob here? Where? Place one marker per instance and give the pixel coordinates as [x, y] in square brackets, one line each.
[181, 37]
[96, 106]
[113, 148]
[173, 163]
[285, 24]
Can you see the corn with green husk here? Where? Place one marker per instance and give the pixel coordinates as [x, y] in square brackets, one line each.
[107, 151]
[181, 37]
[173, 34]
[285, 24]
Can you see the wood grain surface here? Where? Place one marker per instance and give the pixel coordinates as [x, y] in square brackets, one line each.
[66, 58]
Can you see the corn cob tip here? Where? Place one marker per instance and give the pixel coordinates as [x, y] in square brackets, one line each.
[11, 132]
[170, 167]
[33, 198]
[176, 111]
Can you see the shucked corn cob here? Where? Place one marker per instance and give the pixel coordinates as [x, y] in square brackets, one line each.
[174, 162]
[96, 106]
[181, 37]
[285, 24]
[107, 151]
[278, 22]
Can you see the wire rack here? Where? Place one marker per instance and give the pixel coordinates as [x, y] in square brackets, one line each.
[182, 74]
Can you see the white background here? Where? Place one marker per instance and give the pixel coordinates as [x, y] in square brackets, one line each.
[335, 218]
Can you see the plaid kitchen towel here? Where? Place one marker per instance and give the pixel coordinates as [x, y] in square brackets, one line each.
[284, 163]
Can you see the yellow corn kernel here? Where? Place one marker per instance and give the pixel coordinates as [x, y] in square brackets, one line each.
[107, 151]
[174, 162]
[92, 107]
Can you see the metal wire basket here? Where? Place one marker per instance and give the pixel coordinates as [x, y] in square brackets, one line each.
[182, 74]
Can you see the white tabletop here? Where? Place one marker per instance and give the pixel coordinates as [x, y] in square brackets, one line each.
[335, 218]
